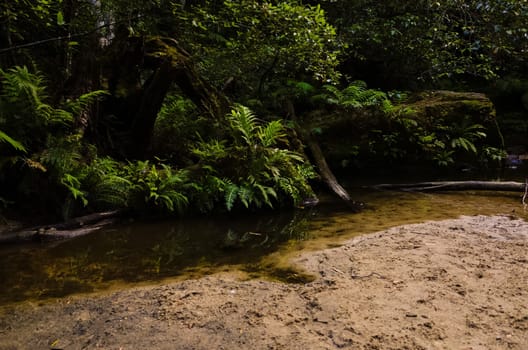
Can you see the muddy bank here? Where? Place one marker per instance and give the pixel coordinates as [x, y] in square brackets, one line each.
[453, 284]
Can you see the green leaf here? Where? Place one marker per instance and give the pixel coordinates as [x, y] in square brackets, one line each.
[271, 133]
[60, 18]
[13, 143]
[231, 194]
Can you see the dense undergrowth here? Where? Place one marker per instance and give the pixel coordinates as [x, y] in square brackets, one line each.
[47, 162]
[49, 165]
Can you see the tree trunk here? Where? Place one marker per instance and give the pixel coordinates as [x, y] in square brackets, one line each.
[151, 101]
[320, 161]
[324, 170]
[172, 65]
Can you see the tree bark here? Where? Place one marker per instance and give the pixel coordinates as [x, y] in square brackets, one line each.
[145, 118]
[172, 65]
[320, 161]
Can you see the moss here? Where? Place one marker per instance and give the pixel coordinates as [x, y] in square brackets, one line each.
[348, 136]
[450, 106]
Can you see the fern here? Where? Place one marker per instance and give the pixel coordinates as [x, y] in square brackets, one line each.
[331, 95]
[23, 93]
[356, 95]
[83, 102]
[265, 192]
[243, 123]
[271, 133]
[13, 143]
[258, 171]
[245, 195]
[157, 188]
[231, 194]
[73, 184]
[62, 155]
[213, 150]
[19, 84]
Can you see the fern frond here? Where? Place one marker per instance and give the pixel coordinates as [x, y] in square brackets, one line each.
[73, 184]
[19, 84]
[246, 195]
[81, 103]
[243, 121]
[111, 191]
[13, 143]
[266, 192]
[272, 132]
[57, 116]
[60, 158]
[231, 194]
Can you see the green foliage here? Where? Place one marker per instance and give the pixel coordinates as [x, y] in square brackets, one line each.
[443, 143]
[73, 184]
[104, 182]
[23, 107]
[157, 187]
[463, 136]
[255, 171]
[356, 95]
[82, 103]
[271, 43]
[45, 138]
[244, 124]
[177, 128]
[430, 41]
[13, 143]
[263, 52]
[26, 113]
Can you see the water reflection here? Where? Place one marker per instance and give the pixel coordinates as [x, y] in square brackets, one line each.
[257, 244]
[143, 251]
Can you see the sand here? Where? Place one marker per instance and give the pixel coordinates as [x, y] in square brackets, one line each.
[453, 284]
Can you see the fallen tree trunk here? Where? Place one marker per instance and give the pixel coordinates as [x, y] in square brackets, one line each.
[454, 186]
[72, 228]
[324, 170]
[320, 161]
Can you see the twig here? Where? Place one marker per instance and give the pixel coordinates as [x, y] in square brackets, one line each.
[367, 276]
[337, 270]
[525, 193]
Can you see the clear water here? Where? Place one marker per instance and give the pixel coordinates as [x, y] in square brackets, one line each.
[260, 245]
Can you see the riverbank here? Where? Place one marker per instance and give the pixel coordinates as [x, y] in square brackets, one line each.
[452, 284]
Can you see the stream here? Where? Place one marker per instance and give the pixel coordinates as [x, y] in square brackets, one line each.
[257, 245]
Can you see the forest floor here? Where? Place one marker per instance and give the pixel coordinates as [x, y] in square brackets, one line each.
[453, 284]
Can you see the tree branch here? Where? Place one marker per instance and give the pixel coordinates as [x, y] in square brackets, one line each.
[59, 38]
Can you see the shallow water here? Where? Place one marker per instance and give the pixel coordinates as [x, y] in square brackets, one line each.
[142, 252]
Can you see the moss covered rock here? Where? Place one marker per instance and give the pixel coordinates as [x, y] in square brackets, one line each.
[451, 106]
[414, 130]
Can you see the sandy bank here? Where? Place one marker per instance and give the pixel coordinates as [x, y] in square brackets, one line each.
[453, 284]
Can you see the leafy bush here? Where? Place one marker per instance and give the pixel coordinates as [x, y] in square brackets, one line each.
[253, 169]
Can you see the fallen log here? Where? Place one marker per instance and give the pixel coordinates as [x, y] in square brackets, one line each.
[72, 228]
[324, 170]
[319, 159]
[454, 186]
